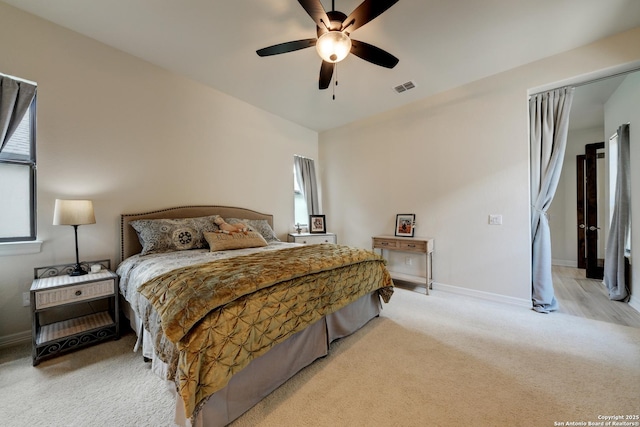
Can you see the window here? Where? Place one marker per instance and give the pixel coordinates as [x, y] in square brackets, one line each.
[305, 189]
[300, 204]
[18, 182]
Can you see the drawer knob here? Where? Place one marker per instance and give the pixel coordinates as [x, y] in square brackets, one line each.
[412, 246]
[78, 293]
[384, 243]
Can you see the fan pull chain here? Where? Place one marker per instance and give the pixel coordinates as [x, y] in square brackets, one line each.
[336, 81]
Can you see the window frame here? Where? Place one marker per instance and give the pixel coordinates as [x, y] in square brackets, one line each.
[31, 162]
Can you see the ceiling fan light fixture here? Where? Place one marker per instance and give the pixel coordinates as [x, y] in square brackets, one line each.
[333, 46]
[332, 40]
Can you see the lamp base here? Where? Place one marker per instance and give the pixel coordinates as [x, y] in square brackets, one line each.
[77, 271]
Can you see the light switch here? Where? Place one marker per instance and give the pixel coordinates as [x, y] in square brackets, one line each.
[495, 219]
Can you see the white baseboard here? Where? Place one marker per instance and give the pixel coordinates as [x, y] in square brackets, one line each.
[482, 295]
[565, 263]
[14, 339]
[634, 302]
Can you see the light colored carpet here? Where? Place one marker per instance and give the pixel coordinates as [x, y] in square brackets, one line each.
[103, 385]
[441, 360]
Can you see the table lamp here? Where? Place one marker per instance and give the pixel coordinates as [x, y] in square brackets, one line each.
[75, 213]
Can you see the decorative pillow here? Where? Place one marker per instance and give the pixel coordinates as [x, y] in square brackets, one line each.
[223, 241]
[165, 235]
[259, 225]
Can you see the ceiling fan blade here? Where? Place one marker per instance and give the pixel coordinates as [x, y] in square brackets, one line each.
[316, 12]
[367, 11]
[326, 72]
[286, 47]
[373, 54]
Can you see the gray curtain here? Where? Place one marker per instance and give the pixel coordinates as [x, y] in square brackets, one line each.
[306, 175]
[548, 126]
[15, 98]
[618, 240]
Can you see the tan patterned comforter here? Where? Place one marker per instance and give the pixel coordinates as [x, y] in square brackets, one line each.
[223, 314]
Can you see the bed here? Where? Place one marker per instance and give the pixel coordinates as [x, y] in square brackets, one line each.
[225, 327]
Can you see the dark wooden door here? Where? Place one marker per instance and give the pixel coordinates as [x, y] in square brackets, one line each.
[580, 181]
[594, 265]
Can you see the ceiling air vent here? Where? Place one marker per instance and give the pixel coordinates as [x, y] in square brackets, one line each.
[404, 87]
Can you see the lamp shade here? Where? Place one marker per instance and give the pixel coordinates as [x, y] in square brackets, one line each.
[73, 212]
[333, 46]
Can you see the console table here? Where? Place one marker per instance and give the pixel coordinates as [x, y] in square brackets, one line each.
[422, 245]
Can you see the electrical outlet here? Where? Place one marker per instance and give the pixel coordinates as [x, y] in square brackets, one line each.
[495, 219]
[408, 260]
[26, 302]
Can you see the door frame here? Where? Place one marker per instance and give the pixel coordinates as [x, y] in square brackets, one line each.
[595, 269]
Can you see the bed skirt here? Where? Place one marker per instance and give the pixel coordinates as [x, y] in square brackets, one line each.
[267, 372]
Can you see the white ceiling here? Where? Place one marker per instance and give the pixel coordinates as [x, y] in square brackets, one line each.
[440, 44]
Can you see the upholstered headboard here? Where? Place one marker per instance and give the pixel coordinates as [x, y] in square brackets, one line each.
[130, 245]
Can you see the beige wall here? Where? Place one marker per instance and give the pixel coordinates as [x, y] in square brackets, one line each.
[453, 159]
[133, 137]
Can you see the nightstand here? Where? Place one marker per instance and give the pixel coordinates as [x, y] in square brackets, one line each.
[312, 238]
[62, 309]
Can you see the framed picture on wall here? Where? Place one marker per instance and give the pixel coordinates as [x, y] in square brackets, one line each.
[405, 225]
[317, 224]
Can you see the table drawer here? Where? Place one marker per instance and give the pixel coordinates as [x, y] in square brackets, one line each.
[311, 240]
[70, 294]
[412, 246]
[385, 244]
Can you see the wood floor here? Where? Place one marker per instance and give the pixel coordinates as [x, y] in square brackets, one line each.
[588, 298]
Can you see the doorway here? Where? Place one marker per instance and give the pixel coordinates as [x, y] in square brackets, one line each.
[587, 126]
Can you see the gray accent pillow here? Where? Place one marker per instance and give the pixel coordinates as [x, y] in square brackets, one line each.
[165, 235]
[259, 225]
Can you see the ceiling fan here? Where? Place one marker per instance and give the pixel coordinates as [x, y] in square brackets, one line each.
[333, 42]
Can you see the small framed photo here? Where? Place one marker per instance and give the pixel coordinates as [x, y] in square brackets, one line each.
[405, 225]
[317, 224]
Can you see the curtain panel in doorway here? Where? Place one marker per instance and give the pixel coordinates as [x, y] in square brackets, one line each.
[548, 127]
[620, 229]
